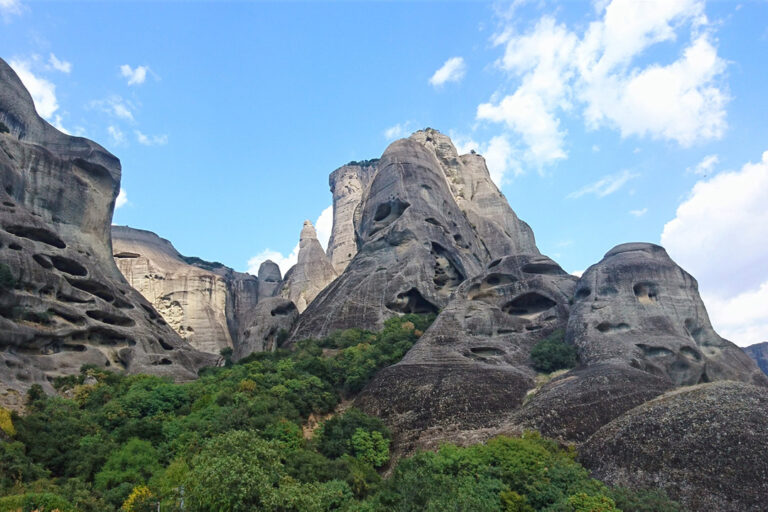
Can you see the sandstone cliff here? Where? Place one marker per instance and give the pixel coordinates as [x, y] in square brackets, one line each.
[312, 272]
[63, 302]
[418, 230]
[205, 303]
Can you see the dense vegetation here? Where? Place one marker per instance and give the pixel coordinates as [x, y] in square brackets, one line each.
[553, 353]
[271, 432]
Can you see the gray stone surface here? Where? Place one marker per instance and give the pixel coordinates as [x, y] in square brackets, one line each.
[270, 279]
[348, 184]
[268, 327]
[705, 445]
[471, 368]
[311, 273]
[759, 354]
[70, 305]
[205, 303]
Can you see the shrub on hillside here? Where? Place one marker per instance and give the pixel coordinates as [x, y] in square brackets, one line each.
[553, 353]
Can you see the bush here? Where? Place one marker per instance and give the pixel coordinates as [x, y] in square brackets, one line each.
[335, 437]
[552, 353]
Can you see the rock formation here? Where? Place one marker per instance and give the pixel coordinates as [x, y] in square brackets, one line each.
[759, 353]
[311, 273]
[270, 279]
[705, 445]
[348, 184]
[268, 327]
[205, 303]
[641, 329]
[471, 368]
[418, 232]
[63, 302]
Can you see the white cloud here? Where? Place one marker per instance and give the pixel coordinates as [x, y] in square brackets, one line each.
[500, 156]
[115, 106]
[122, 199]
[59, 65]
[719, 235]
[453, 70]
[116, 134]
[605, 186]
[9, 8]
[151, 140]
[398, 131]
[706, 166]
[135, 76]
[577, 273]
[323, 226]
[638, 213]
[598, 70]
[43, 92]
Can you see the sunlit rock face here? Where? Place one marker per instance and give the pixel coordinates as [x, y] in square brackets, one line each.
[311, 273]
[471, 368]
[205, 303]
[66, 303]
[267, 327]
[348, 184]
[270, 279]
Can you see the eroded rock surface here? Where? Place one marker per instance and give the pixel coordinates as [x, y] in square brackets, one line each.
[705, 445]
[417, 229]
[205, 303]
[311, 273]
[471, 368]
[270, 279]
[268, 327]
[641, 329]
[348, 184]
[66, 304]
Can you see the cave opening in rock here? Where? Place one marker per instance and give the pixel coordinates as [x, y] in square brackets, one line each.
[528, 304]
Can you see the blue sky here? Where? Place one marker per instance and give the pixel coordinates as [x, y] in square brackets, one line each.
[603, 122]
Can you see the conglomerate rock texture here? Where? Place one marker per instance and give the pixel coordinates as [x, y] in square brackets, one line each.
[311, 273]
[471, 368]
[66, 303]
[759, 354]
[205, 303]
[348, 184]
[705, 445]
[418, 230]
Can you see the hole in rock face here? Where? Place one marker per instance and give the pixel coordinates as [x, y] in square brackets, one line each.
[126, 254]
[122, 303]
[486, 351]
[494, 263]
[608, 327]
[646, 292]
[93, 287]
[433, 221]
[387, 213]
[283, 310]
[68, 266]
[608, 291]
[529, 304]
[412, 302]
[105, 336]
[654, 352]
[493, 280]
[447, 275]
[163, 344]
[163, 361]
[110, 318]
[37, 235]
[583, 293]
[690, 353]
[150, 311]
[545, 268]
[43, 261]
[14, 246]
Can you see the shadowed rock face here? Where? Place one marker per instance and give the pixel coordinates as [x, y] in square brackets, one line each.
[416, 246]
[311, 273]
[705, 445]
[759, 353]
[268, 325]
[70, 305]
[470, 369]
[205, 303]
[348, 184]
